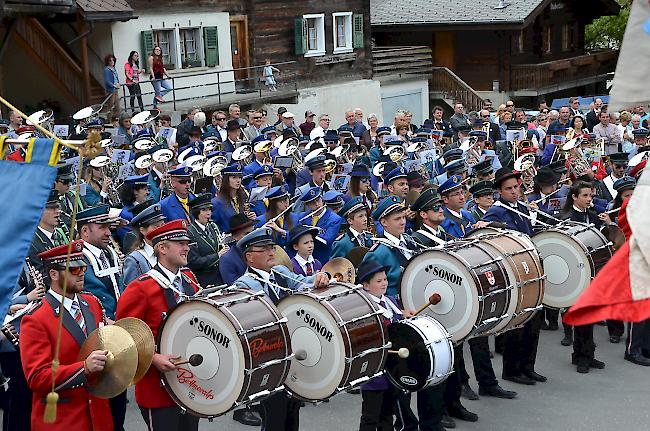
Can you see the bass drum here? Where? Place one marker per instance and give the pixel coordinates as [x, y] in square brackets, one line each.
[431, 353]
[524, 269]
[471, 280]
[339, 338]
[244, 346]
[572, 253]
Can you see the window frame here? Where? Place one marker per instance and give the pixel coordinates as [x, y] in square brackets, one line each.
[547, 40]
[320, 34]
[567, 31]
[348, 32]
[198, 46]
[172, 48]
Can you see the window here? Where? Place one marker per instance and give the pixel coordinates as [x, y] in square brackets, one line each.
[310, 35]
[165, 40]
[342, 32]
[518, 42]
[190, 49]
[546, 42]
[567, 34]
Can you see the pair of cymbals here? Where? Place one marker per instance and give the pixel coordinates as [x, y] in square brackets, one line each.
[341, 269]
[130, 346]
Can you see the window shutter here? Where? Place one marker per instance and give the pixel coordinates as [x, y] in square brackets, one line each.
[211, 46]
[300, 35]
[357, 31]
[147, 46]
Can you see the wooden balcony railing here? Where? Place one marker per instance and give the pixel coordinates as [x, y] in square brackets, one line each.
[540, 75]
[45, 50]
[394, 60]
[454, 88]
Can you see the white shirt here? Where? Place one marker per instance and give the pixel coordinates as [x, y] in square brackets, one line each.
[147, 252]
[223, 133]
[200, 225]
[97, 252]
[579, 210]
[609, 181]
[355, 234]
[400, 243]
[47, 234]
[317, 132]
[170, 275]
[67, 302]
[303, 263]
[388, 309]
[454, 213]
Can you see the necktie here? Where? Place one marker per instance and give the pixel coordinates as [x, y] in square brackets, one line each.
[310, 269]
[78, 317]
[177, 284]
[404, 249]
[315, 219]
[361, 240]
[103, 260]
[273, 294]
[185, 206]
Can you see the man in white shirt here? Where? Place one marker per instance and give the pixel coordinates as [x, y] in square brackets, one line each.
[610, 132]
[322, 128]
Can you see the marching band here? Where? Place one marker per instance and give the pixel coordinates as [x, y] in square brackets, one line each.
[285, 269]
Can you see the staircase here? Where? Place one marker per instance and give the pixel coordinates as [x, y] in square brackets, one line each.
[446, 85]
[64, 70]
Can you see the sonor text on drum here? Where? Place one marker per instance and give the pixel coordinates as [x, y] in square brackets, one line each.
[211, 332]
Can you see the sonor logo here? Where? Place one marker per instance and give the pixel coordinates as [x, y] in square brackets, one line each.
[408, 380]
[317, 326]
[446, 275]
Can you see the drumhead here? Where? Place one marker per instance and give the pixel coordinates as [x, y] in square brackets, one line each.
[315, 330]
[566, 266]
[414, 372]
[445, 273]
[211, 388]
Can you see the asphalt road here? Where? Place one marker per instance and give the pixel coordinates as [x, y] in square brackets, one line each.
[615, 398]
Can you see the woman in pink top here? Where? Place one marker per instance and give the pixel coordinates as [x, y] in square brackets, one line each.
[132, 71]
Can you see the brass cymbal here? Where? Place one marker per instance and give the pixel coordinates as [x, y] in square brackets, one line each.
[356, 255]
[282, 258]
[144, 342]
[121, 364]
[341, 269]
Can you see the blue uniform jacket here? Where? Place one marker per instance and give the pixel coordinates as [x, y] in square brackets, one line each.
[154, 187]
[329, 225]
[102, 287]
[345, 242]
[172, 209]
[221, 212]
[290, 281]
[135, 264]
[92, 197]
[393, 258]
[514, 221]
[456, 227]
[280, 240]
[231, 265]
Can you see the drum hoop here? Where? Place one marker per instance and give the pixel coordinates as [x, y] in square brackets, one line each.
[582, 246]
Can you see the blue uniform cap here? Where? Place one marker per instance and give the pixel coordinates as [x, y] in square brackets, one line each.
[331, 136]
[345, 131]
[262, 171]
[452, 183]
[137, 180]
[234, 170]
[268, 129]
[482, 188]
[277, 192]
[478, 133]
[640, 133]
[353, 205]
[423, 131]
[97, 122]
[383, 130]
[395, 174]
[625, 183]
[300, 230]
[316, 162]
[456, 166]
[311, 195]
[387, 206]
[369, 268]
[260, 236]
[333, 197]
[211, 133]
[97, 214]
[148, 216]
[360, 170]
[453, 153]
[181, 171]
[260, 138]
[201, 201]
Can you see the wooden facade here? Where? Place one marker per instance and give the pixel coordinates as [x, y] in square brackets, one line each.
[553, 40]
[262, 29]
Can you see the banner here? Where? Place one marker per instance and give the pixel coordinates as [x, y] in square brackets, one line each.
[24, 189]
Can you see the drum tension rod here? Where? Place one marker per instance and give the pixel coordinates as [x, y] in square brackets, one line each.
[257, 328]
[523, 250]
[335, 295]
[609, 244]
[356, 319]
[368, 352]
[249, 371]
[495, 292]
[532, 280]
[527, 310]
[495, 260]
[491, 320]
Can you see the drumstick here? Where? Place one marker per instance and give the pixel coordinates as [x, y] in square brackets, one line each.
[195, 360]
[433, 300]
[402, 353]
[613, 210]
[536, 201]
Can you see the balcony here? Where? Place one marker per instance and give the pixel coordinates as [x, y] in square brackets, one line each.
[543, 78]
[401, 60]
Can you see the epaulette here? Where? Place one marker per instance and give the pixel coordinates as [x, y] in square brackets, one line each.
[143, 277]
[340, 237]
[374, 246]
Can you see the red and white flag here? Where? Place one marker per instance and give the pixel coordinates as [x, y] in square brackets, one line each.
[621, 290]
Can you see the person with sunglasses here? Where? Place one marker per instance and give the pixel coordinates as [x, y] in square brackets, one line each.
[77, 408]
[176, 205]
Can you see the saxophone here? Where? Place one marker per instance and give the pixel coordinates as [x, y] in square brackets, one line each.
[8, 329]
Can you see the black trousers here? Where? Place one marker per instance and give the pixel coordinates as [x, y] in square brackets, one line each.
[430, 410]
[638, 338]
[118, 410]
[377, 410]
[135, 91]
[18, 411]
[169, 419]
[551, 314]
[280, 412]
[479, 348]
[583, 344]
[616, 328]
[452, 390]
[520, 347]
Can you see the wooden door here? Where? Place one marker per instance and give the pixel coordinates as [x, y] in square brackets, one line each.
[239, 47]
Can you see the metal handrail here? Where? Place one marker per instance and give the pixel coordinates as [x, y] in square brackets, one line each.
[213, 78]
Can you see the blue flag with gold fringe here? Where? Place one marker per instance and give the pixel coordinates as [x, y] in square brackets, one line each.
[24, 189]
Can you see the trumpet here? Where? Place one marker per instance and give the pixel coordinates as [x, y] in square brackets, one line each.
[472, 155]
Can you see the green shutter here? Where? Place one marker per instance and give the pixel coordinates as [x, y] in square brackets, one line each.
[300, 34]
[357, 31]
[147, 46]
[211, 46]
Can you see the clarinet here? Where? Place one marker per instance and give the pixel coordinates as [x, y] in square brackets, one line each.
[8, 329]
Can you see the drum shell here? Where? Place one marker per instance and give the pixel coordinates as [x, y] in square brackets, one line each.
[343, 303]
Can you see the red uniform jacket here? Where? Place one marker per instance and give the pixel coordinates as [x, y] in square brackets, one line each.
[76, 409]
[145, 299]
[16, 156]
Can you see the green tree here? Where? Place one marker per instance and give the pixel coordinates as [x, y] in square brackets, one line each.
[608, 31]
